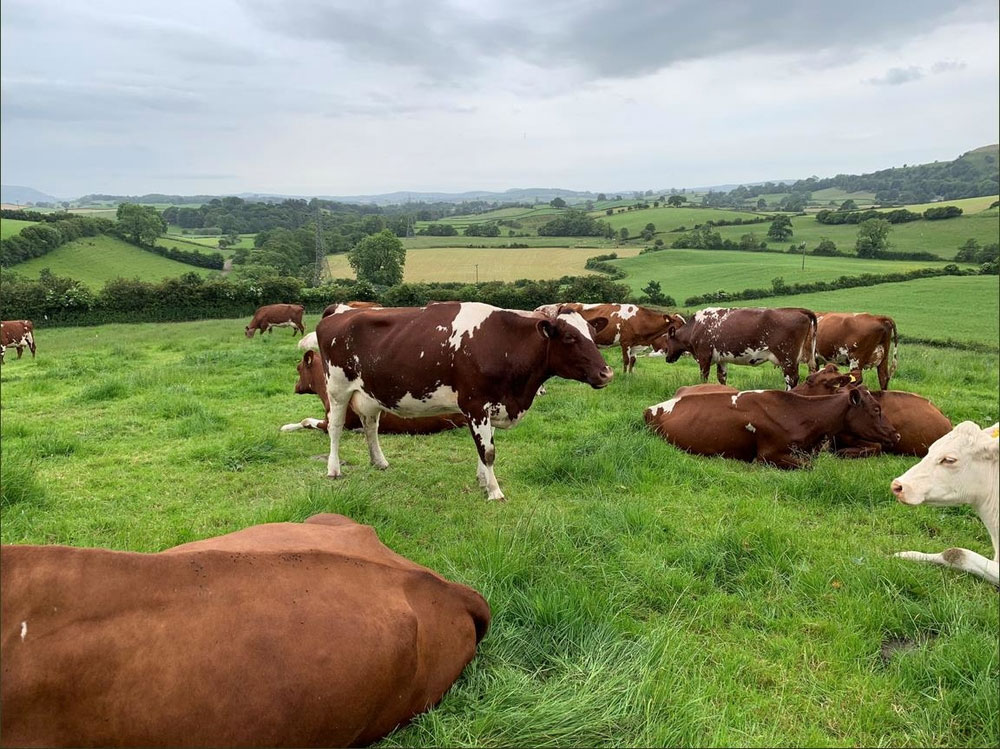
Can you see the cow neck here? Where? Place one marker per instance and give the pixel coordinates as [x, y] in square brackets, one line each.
[683, 335]
[821, 415]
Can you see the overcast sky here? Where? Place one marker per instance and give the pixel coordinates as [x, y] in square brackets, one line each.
[321, 97]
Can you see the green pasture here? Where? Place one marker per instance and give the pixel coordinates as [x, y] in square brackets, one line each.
[964, 309]
[96, 260]
[203, 243]
[667, 218]
[11, 226]
[426, 243]
[827, 194]
[969, 206]
[640, 596]
[684, 273]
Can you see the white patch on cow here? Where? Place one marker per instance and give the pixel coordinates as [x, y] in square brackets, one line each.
[750, 427]
[736, 397]
[308, 341]
[470, 316]
[443, 400]
[751, 356]
[877, 355]
[307, 423]
[285, 324]
[665, 408]
[421, 354]
[24, 630]
[442, 328]
[627, 311]
[499, 417]
[577, 321]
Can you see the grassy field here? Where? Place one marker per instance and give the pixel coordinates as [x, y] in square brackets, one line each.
[95, 260]
[959, 309]
[667, 218]
[425, 243]
[683, 273]
[969, 206]
[835, 193]
[11, 226]
[203, 244]
[640, 596]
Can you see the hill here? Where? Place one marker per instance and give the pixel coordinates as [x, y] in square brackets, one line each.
[20, 195]
[11, 226]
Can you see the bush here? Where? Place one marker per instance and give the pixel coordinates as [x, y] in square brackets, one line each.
[942, 212]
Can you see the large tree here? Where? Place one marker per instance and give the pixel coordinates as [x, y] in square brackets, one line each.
[140, 224]
[873, 237]
[379, 259]
[780, 229]
[676, 200]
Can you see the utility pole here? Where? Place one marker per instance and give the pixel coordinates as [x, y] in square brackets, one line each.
[320, 266]
[802, 246]
[477, 272]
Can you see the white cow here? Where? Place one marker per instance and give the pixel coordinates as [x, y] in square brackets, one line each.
[960, 468]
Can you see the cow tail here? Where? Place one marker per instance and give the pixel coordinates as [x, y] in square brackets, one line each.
[813, 325]
[895, 345]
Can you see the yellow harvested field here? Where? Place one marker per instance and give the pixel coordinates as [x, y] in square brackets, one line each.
[459, 263]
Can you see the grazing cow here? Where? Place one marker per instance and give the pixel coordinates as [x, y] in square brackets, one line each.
[285, 634]
[276, 316]
[19, 334]
[312, 380]
[783, 336]
[960, 468]
[858, 341]
[485, 362]
[629, 325]
[770, 426]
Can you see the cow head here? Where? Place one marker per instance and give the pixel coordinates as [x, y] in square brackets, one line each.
[864, 418]
[826, 381]
[671, 346]
[310, 374]
[249, 331]
[960, 468]
[572, 353]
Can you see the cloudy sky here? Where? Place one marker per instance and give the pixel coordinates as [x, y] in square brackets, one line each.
[337, 98]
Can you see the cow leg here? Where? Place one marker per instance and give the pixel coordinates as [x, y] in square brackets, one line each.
[721, 373]
[863, 450]
[705, 368]
[625, 358]
[632, 357]
[781, 459]
[791, 374]
[335, 426]
[307, 423]
[370, 426]
[883, 373]
[959, 559]
[482, 435]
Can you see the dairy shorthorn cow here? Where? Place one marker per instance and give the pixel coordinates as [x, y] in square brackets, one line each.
[482, 361]
[857, 340]
[17, 333]
[960, 468]
[271, 316]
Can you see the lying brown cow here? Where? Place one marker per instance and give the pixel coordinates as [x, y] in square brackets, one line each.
[784, 336]
[629, 325]
[311, 380]
[17, 333]
[770, 426]
[271, 316]
[286, 634]
[858, 341]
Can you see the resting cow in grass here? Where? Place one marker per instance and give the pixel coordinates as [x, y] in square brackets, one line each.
[629, 325]
[857, 340]
[271, 316]
[286, 634]
[482, 361]
[960, 468]
[770, 426]
[17, 333]
[784, 336]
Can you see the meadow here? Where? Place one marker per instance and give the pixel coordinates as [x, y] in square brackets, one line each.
[667, 218]
[640, 595]
[96, 260]
[11, 226]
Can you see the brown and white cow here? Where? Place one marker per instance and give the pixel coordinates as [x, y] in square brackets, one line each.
[312, 380]
[17, 333]
[629, 325]
[784, 336]
[332, 309]
[858, 340]
[285, 634]
[271, 316]
[960, 468]
[485, 362]
[770, 426]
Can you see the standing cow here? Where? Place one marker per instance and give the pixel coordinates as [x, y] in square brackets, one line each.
[482, 361]
[19, 334]
[629, 325]
[784, 336]
[858, 341]
[960, 468]
[276, 316]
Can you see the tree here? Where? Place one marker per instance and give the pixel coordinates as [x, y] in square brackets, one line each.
[557, 203]
[780, 229]
[826, 247]
[968, 252]
[601, 196]
[648, 231]
[654, 293]
[141, 224]
[761, 204]
[676, 200]
[379, 259]
[848, 205]
[873, 237]
[623, 234]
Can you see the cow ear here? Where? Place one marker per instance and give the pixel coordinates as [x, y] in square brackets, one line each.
[308, 356]
[672, 331]
[546, 329]
[855, 396]
[599, 323]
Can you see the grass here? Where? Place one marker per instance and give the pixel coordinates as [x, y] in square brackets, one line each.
[667, 218]
[969, 206]
[946, 308]
[424, 243]
[684, 273]
[640, 596]
[454, 264]
[11, 226]
[96, 260]
[202, 242]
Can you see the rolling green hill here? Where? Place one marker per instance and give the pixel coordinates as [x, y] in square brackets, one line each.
[11, 226]
[667, 218]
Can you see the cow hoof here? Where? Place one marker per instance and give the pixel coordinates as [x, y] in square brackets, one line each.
[334, 475]
[380, 466]
[498, 497]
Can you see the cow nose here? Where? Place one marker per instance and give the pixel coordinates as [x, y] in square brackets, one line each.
[897, 489]
[606, 374]
[898, 437]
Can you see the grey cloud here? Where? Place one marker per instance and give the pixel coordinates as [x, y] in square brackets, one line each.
[897, 76]
[75, 102]
[947, 66]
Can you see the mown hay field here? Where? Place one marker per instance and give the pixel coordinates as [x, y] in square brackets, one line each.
[640, 595]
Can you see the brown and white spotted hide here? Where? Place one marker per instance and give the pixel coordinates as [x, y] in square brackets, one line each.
[858, 340]
[629, 325]
[333, 309]
[769, 426]
[312, 380]
[485, 362]
[276, 316]
[17, 333]
[784, 336]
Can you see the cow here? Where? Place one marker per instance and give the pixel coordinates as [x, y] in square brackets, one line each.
[271, 316]
[769, 426]
[311, 380]
[333, 309]
[960, 468]
[629, 326]
[19, 334]
[284, 634]
[858, 341]
[483, 361]
[918, 421]
[784, 336]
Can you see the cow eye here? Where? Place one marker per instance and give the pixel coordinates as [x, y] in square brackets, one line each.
[948, 460]
[570, 339]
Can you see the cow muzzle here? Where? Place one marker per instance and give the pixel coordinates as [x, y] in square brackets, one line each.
[900, 491]
[603, 378]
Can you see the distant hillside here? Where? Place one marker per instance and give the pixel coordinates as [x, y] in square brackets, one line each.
[20, 195]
